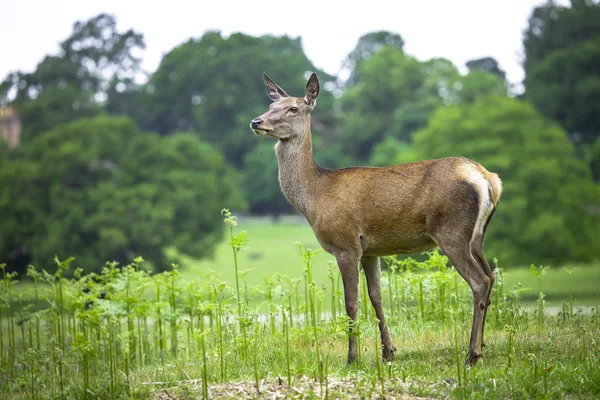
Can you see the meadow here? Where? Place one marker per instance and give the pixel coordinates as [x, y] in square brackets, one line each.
[272, 250]
[265, 319]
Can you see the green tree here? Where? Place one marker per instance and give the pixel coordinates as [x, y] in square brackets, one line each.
[214, 86]
[478, 84]
[108, 192]
[593, 157]
[389, 151]
[546, 213]
[397, 94]
[389, 83]
[19, 206]
[261, 184]
[562, 54]
[366, 46]
[487, 64]
[75, 83]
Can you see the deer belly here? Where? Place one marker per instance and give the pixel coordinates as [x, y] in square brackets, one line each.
[387, 246]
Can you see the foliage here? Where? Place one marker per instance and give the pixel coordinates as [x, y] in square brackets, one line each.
[487, 64]
[389, 85]
[107, 190]
[397, 94]
[125, 333]
[83, 182]
[545, 210]
[213, 85]
[593, 157]
[260, 182]
[74, 83]
[366, 46]
[389, 151]
[562, 54]
[477, 84]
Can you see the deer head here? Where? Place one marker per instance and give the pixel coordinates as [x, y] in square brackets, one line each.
[288, 117]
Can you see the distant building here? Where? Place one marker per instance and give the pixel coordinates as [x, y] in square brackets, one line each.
[10, 125]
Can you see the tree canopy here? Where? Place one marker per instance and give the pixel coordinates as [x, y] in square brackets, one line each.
[562, 55]
[75, 82]
[115, 162]
[397, 94]
[213, 86]
[546, 210]
[108, 192]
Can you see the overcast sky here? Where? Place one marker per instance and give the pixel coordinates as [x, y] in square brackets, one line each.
[459, 30]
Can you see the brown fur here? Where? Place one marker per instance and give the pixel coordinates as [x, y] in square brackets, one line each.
[361, 213]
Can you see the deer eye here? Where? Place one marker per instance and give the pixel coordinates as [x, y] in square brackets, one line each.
[293, 109]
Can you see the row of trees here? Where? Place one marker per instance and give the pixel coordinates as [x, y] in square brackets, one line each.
[90, 181]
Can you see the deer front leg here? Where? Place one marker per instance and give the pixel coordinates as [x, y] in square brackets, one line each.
[348, 265]
[372, 273]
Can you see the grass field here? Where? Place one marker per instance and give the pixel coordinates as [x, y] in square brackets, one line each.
[185, 334]
[272, 251]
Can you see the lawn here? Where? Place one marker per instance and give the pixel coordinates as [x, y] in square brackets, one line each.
[179, 336]
[272, 250]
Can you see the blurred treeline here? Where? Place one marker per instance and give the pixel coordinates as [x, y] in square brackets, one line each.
[109, 169]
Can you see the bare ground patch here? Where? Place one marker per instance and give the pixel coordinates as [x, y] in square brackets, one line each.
[301, 388]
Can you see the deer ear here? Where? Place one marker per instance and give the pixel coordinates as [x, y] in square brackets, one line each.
[312, 90]
[273, 90]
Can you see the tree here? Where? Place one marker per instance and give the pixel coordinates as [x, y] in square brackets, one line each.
[593, 158]
[260, 182]
[397, 95]
[478, 84]
[389, 84]
[389, 151]
[368, 45]
[19, 207]
[74, 83]
[487, 64]
[562, 54]
[545, 213]
[105, 192]
[214, 86]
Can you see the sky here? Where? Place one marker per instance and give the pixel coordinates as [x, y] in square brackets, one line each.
[458, 30]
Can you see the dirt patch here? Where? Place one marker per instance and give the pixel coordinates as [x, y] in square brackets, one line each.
[301, 388]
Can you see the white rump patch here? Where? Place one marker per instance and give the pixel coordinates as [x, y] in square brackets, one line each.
[476, 178]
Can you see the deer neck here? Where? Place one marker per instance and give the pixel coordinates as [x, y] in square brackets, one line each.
[298, 172]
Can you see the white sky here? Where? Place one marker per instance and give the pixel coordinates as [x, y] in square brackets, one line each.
[455, 29]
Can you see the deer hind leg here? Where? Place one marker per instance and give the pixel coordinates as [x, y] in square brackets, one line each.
[373, 273]
[477, 251]
[454, 233]
[459, 253]
[348, 265]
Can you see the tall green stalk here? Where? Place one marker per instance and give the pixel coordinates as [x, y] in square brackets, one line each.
[539, 272]
[311, 287]
[286, 328]
[391, 275]
[237, 243]
[330, 274]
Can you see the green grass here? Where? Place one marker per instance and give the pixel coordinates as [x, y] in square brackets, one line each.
[272, 250]
[182, 334]
[585, 282]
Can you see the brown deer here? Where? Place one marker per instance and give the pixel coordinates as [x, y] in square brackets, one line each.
[361, 213]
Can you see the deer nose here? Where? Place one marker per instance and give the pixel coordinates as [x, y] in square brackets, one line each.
[256, 122]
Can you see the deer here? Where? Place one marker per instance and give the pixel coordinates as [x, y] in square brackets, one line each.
[359, 214]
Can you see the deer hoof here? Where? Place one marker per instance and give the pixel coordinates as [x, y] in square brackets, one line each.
[472, 359]
[351, 358]
[388, 353]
